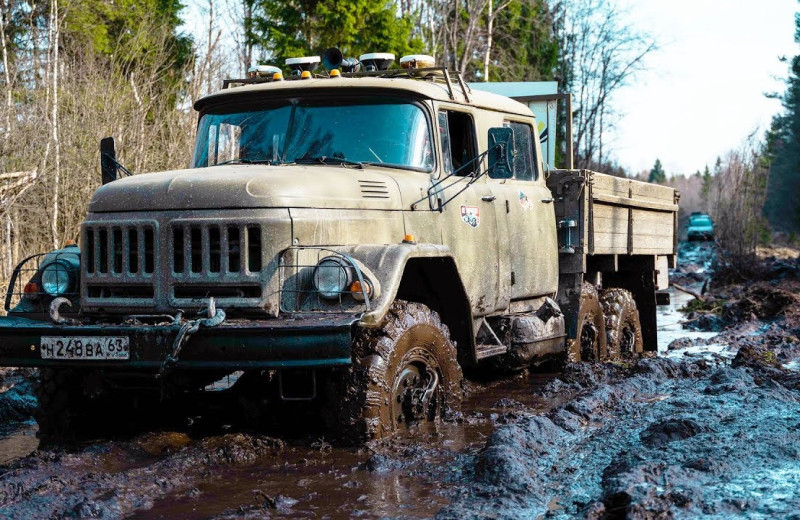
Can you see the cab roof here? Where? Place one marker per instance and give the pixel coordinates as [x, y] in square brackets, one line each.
[430, 89]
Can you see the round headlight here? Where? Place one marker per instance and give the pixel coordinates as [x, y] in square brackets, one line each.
[57, 279]
[332, 276]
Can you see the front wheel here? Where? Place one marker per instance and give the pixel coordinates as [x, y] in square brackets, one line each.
[403, 373]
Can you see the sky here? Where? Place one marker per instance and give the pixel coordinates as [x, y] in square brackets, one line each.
[703, 91]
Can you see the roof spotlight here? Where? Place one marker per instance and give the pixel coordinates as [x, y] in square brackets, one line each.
[305, 63]
[375, 61]
[417, 61]
[262, 71]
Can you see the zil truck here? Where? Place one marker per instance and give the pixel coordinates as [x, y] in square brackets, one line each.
[349, 243]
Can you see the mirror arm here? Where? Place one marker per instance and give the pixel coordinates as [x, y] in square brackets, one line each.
[118, 165]
[434, 187]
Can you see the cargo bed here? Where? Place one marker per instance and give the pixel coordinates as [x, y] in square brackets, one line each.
[616, 232]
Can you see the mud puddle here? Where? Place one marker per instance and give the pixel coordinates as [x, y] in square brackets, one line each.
[241, 475]
[17, 440]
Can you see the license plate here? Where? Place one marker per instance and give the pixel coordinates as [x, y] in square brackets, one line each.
[88, 347]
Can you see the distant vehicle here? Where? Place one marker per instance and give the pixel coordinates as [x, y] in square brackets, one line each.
[700, 227]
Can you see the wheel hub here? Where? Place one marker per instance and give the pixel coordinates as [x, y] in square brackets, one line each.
[414, 393]
[627, 341]
[588, 339]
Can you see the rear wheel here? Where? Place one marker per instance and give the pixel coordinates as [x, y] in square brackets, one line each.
[590, 341]
[623, 328]
[404, 373]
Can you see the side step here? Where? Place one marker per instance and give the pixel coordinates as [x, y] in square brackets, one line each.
[485, 351]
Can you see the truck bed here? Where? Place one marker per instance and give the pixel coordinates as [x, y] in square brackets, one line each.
[603, 215]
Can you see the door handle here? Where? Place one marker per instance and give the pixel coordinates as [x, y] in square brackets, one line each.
[488, 198]
[547, 201]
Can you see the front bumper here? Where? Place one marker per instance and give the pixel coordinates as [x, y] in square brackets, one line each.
[700, 235]
[236, 345]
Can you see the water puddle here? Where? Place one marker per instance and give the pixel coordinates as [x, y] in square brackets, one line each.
[17, 440]
[670, 328]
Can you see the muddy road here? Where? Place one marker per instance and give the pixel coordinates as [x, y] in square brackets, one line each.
[710, 428]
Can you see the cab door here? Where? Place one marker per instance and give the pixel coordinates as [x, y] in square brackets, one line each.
[530, 228]
[468, 219]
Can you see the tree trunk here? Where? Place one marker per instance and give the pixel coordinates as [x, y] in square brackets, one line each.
[54, 124]
[7, 74]
[489, 32]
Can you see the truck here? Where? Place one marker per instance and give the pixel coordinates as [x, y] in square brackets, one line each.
[347, 243]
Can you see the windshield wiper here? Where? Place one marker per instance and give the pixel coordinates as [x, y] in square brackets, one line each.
[244, 161]
[328, 160]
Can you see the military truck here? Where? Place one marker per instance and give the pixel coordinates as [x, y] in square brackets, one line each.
[348, 242]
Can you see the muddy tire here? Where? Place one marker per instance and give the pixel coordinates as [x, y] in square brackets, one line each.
[74, 405]
[623, 328]
[590, 343]
[403, 373]
[62, 411]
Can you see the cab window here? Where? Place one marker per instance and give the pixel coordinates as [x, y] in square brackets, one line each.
[459, 146]
[524, 165]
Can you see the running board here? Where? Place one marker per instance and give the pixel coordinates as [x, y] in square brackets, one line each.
[485, 351]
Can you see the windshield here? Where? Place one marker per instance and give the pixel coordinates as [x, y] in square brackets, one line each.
[701, 221]
[393, 133]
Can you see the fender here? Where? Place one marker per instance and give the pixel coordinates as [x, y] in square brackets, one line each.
[425, 273]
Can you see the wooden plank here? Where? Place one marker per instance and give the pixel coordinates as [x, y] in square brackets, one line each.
[635, 203]
[610, 185]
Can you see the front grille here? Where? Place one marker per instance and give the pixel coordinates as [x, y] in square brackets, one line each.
[125, 250]
[119, 261]
[177, 264]
[215, 249]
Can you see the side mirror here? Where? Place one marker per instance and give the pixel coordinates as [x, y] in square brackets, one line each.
[108, 160]
[501, 153]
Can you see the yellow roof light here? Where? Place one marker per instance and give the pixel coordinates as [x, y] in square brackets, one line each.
[305, 74]
[409, 239]
[278, 76]
[335, 73]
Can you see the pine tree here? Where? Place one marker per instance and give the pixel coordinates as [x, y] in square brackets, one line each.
[783, 154]
[657, 173]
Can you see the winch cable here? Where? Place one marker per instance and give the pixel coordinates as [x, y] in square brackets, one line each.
[215, 318]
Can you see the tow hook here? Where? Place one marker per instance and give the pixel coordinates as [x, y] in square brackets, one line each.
[214, 317]
[55, 315]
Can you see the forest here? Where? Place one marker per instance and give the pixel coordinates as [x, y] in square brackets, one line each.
[75, 71]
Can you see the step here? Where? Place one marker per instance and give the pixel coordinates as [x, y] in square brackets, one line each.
[485, 351]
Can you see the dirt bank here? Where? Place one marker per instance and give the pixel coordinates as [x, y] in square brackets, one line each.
[659, 439]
